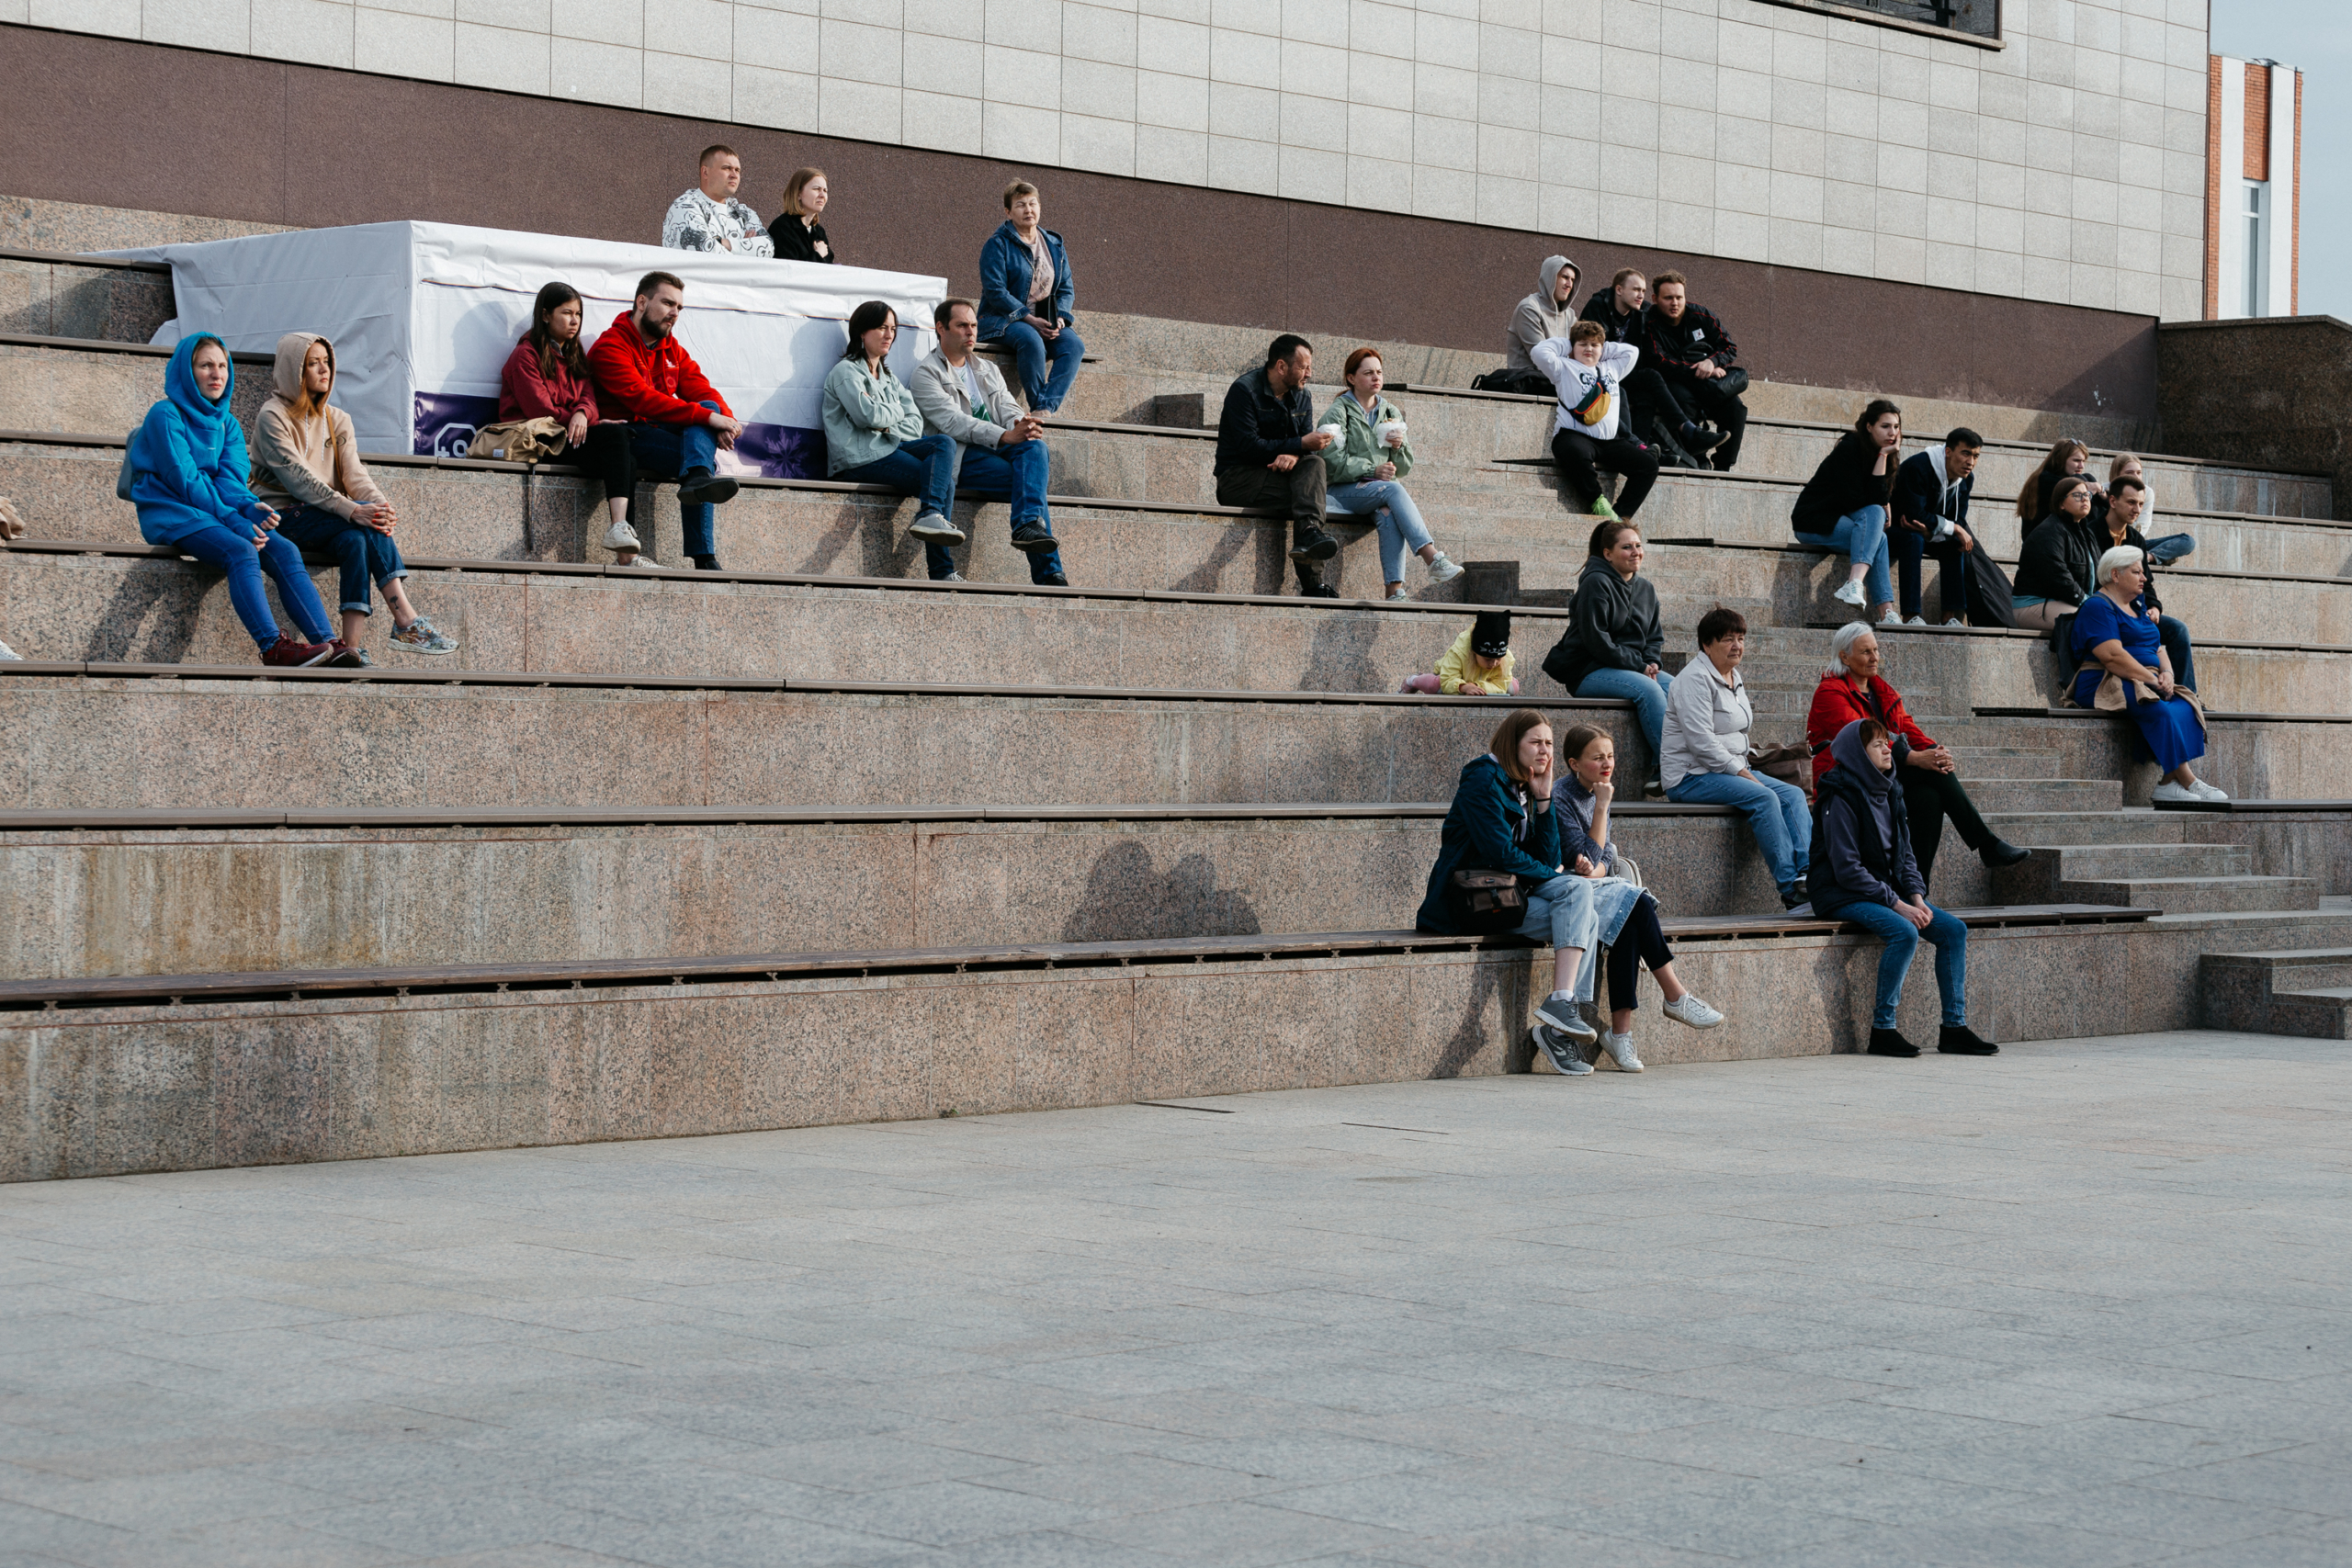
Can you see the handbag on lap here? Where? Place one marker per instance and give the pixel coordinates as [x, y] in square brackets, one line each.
[1486, 903]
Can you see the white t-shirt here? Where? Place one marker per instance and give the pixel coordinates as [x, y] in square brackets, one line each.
[1574, 381]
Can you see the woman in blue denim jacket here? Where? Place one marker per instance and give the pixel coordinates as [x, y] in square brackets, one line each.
[1026, 298]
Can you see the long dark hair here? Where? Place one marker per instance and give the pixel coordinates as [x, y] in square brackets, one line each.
[2029, 498]
[552, 297]
[1873, 411]
[862, 320]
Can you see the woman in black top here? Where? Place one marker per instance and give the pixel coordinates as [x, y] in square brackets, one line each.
[1845, 506]
[2058, 568]
[798, 234]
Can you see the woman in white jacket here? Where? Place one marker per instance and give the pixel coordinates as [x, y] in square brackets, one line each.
[1591, 429]
[1703, 755]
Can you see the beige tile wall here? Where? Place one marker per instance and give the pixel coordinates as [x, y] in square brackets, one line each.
[2068, 165]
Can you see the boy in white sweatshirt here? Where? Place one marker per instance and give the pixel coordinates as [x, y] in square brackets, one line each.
[1591, 430]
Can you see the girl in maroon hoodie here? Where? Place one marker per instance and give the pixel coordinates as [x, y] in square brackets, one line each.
[547, 378]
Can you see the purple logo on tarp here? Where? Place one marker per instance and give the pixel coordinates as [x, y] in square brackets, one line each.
[445, 423]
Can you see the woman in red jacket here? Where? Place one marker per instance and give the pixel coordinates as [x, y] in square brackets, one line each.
[547, 378]
[1851, 689]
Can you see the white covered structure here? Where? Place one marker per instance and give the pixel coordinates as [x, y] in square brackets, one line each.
[422, 315]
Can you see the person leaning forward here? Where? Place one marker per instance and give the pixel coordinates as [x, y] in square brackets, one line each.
[1000, 451]
[678, 422]
[1268, 425]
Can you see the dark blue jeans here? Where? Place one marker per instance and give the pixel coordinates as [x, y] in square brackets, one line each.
[1031, 352]
[1908, 550]
[668, 451]
[924, 468]
[1902, 939]
[365, 554]
[1015, 474]
[231, 547]
[2175, 638]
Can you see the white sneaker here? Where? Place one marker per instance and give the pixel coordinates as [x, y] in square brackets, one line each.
[933, 529]
[1890, 618]
[1916, 621]
[1692, 1011]
[621, 536]
[2204, 791]
[2173, 793]
[952, 576]
[1851, 594]
[7, 652]
[1620, 1050]
[1443, 567]
[1397, 597]
[1954, 621]
[648, 562]
[1557, 1052]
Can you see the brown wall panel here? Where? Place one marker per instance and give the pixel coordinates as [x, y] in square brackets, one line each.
[119, 124]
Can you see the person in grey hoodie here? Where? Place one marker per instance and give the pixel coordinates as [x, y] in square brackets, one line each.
[1863, 871]
[1543, 314]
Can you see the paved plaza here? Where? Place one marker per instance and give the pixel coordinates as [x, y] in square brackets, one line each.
[2084, 1303]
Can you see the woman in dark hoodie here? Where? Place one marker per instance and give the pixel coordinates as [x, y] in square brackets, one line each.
[1845, 506]
[2058, 568]
[1615, 639]
[1863, 871]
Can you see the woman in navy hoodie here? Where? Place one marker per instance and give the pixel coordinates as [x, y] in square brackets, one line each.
[1863, 871]
[188, 469]
[1026, 296]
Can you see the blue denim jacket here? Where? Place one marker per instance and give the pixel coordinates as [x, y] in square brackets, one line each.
[1004, 280]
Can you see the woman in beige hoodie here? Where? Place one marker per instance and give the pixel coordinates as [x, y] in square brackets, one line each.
[306, 464]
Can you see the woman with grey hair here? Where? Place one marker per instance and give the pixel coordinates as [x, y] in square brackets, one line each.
[1851, 689]
[2124, 665]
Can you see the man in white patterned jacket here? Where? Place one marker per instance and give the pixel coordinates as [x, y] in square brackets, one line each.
[709, 218]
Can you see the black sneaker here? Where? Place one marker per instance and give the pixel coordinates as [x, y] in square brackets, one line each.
[1888, 1042]
[1318, 591]
[700, 487]
[2001, 853]
[1052, 579]
[1700, 438]
[1314, 544]
[1959, 1040]
[1034, 537]
[708, 563]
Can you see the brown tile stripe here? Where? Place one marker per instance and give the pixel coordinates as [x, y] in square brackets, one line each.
[262, 142]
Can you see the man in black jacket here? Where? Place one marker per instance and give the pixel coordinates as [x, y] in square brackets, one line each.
[1659, 417]
[1686, 345]
[1266, 455]
[1931, 491]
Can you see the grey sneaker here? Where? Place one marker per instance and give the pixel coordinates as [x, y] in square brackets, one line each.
[1563, 1013]
[420, 636]
[1620, 1050]
[1559, 1051]
[1443, 567]
[1692, 1011]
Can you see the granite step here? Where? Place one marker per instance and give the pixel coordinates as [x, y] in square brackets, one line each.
[2305, 992]
[2197, 895]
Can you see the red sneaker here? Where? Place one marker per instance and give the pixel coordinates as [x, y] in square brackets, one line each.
[291, 652]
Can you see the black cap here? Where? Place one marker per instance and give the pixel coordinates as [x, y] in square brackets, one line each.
[1490, 634]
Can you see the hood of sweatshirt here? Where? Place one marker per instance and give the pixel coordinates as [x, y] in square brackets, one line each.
[1876, 787]
[179, 383]
[286, 374]
[1547, 279]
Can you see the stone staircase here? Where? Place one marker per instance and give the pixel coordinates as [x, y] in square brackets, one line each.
[2300, 992]
[814, 838]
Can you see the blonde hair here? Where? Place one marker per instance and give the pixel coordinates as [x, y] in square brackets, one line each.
[1018, 187]
[795, 185]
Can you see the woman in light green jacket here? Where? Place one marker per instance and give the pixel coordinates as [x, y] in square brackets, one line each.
[1363, 466]
[873, 436]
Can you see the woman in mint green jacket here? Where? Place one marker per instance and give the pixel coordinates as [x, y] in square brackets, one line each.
[873, 436]
[1363, 466]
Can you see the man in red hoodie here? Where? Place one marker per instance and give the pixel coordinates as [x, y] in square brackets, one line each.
[678, 422]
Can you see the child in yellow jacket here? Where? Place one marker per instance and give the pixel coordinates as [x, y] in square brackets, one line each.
[1477, 665]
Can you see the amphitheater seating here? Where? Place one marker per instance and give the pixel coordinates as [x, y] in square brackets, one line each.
[993, 846]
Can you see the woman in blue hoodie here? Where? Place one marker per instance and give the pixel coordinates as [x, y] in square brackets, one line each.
[1863, 871]
[1026, 296]
[188, 467]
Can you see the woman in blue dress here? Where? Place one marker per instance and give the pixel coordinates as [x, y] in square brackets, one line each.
[2113, 636]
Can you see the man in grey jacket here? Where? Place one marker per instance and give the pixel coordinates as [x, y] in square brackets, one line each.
[1000, 451]
[1542, 315]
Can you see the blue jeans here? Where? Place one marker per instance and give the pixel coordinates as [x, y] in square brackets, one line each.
[2170, 549]
[923, 467]
[1015, 474]
[1402, 531]
[2174, 637]
[670, 451]
[1861, 535]
[1560, 911]
[1030, 352]
[231, 547]
[364, 554]
[1647, 696]
[1776, 813]
[1902, 939]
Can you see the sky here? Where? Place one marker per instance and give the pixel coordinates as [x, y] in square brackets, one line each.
[2316, 36]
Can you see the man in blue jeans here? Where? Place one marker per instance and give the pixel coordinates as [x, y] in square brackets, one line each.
[678, 422]
[1001, 452]
[1704, 757]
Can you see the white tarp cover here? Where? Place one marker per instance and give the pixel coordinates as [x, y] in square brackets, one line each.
[422, 315]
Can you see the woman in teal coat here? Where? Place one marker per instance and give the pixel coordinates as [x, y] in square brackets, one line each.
[188, 469]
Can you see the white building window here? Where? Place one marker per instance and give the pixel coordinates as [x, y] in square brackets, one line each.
[2258, 249]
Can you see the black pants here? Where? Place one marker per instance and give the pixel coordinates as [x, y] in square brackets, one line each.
[1910, 548]
[1640, 940]
[1930, 797]
[1581, 457]
[1707, 401]
[1652, 405]
[609, 458]
[1300, 492]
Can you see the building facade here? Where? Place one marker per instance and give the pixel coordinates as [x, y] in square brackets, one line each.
[2254, 178]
